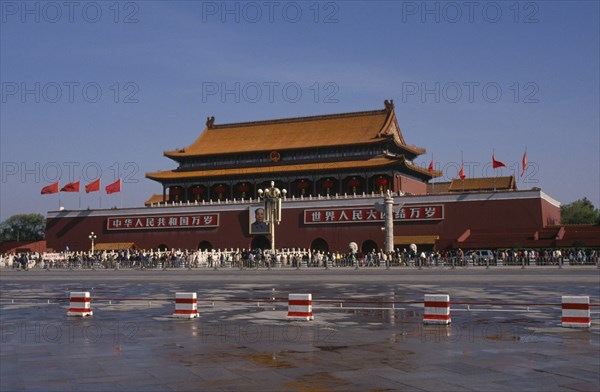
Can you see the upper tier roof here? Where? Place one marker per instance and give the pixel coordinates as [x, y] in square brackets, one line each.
[344, 129]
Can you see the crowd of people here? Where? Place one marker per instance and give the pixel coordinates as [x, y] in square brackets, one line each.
[257, 258]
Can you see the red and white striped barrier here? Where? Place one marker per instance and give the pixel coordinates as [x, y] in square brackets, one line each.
[576, 312]
[185, 305]
[80, 304]
[300, 307]
[437, 309]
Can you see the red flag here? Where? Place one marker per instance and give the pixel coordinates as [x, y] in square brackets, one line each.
[496, 164]
[114, 187]
[524, 163]
[49, 189]
[430, 168]
[461, 173]
[93, 186]
[71, 187]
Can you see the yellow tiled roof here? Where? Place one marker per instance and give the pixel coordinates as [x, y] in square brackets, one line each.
[275, 168]
[438, 187]
[483, 184]
[301, 132]
[156, 198]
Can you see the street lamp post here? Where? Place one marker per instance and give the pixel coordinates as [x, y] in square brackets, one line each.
[272, 197]
[92, 237]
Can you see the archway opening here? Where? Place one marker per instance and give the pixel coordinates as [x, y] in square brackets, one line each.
[163, 247]
[369, 246]
[260, 242]
[319, 244]
[205, 245]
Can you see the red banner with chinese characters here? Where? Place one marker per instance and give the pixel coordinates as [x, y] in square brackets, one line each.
[162, 222]
[370, 214]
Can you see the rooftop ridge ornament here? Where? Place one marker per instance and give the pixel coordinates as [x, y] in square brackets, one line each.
[210, 122]
[389, 105]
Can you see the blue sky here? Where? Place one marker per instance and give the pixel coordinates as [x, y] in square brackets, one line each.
[105, 87]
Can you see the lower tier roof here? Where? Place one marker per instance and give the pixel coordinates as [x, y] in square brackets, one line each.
[384, 162]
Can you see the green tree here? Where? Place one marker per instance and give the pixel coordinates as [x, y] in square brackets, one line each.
[581, 211]
[23, 227]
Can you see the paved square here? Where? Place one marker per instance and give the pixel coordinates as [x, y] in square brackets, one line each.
[367, 333]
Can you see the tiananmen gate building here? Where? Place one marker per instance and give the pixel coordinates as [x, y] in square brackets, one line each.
[335, 169]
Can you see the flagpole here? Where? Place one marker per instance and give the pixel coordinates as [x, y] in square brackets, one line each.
[524, 163]
[462, 166]
[493, 159]
[432, 182]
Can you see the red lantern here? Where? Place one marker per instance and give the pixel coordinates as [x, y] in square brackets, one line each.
[220, 189]
[354, 182]
[243, 188]
[328, 183]
[381, 181]
[175, 193]
[197, 192]
[303, 186]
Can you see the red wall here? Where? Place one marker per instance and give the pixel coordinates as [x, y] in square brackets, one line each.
[410, 186]
[528, 213]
